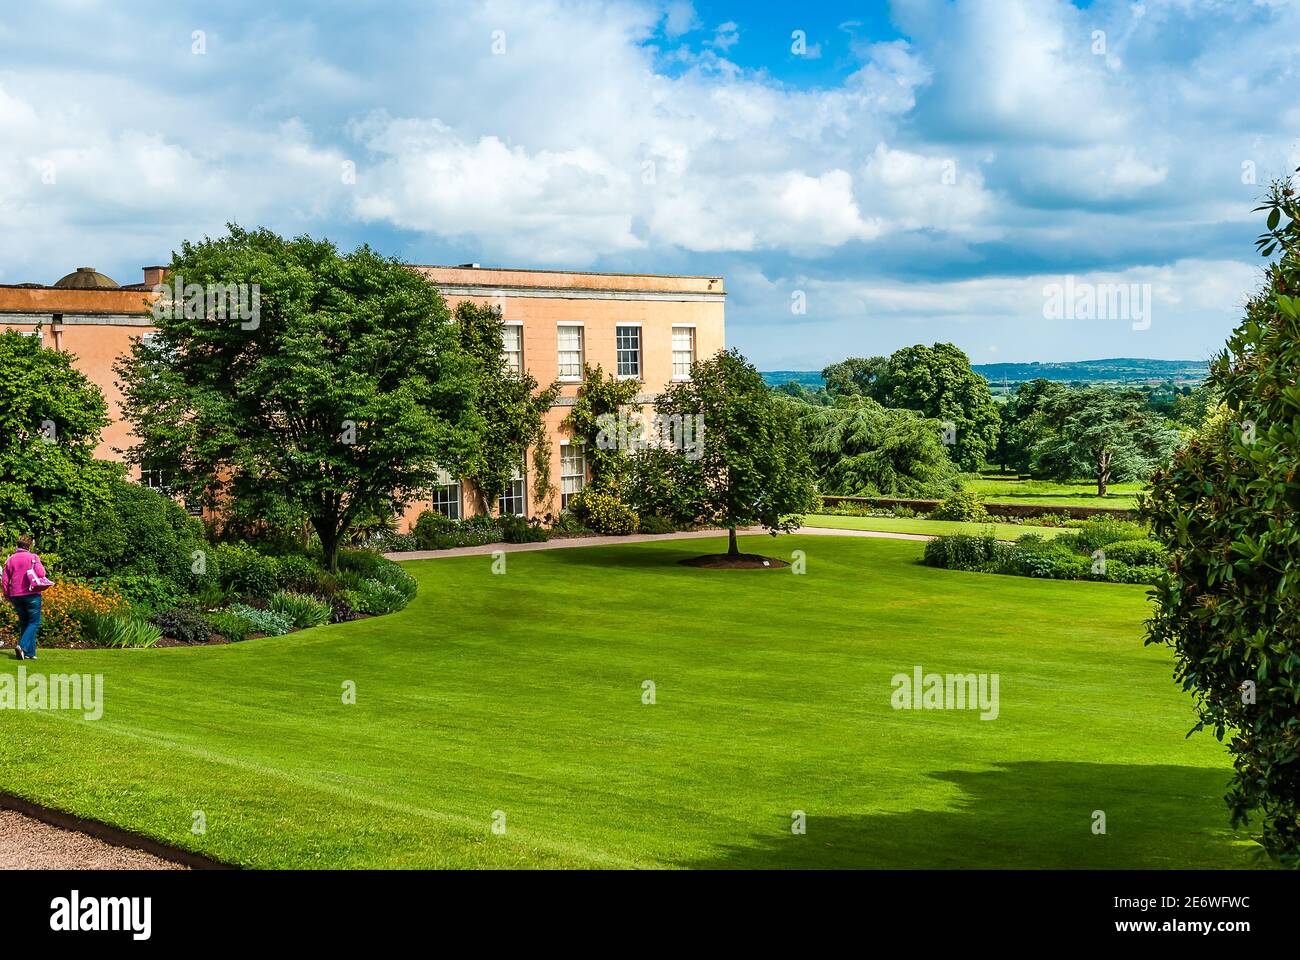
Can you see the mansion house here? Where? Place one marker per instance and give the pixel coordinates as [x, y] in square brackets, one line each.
[641, 327]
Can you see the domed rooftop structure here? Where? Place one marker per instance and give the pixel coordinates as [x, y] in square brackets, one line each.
[87, 278]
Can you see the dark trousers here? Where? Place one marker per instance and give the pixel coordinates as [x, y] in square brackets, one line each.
[29, 621]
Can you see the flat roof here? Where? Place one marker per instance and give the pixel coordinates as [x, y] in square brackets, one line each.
[578, 273]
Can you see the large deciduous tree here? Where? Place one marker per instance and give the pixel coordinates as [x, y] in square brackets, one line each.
[1105, 433]
[50, 419]
[1226, 508]
[750, 464]
[340, 392]
[939, 382]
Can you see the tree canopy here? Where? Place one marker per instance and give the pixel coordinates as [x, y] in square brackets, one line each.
[751, 466]
[1108, 434]
[862, 449]
[50, 420]
[342, 396]
[938, 381]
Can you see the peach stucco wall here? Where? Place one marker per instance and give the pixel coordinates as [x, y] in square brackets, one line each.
[93, 330]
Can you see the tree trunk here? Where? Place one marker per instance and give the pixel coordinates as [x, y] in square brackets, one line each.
[329, 546]
[1103, 474]
[732, 549]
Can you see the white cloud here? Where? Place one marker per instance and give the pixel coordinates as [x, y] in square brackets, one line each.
[726, 36]
[989, 139]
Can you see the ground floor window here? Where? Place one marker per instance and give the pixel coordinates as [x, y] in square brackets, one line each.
[446, 496]
[573, 472]
[512, 503]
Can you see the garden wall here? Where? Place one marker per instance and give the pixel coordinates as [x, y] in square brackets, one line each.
[996, 509]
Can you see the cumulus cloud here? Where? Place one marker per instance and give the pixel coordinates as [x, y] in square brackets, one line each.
[981, 142]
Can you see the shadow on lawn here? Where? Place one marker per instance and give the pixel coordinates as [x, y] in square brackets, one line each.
[1036, 815]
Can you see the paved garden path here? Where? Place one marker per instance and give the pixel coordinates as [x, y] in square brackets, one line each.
[489, 548]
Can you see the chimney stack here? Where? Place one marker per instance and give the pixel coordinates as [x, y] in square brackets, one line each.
[153, 276]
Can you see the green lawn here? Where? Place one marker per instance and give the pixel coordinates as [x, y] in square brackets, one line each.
[1000, 489]
[522, 693]
[931, 528]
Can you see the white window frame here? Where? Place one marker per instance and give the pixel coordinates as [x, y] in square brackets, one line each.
[447, 496]
[560, 363]
[514, 502]
[619, 350]
[517, 365]
[572, 483]
[689, 329]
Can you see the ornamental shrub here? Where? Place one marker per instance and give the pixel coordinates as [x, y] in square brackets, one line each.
[961, 506]
[1226, 509]
[605, 513]
[1137, 553]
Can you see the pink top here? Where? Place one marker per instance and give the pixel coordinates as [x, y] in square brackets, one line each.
[14, 580]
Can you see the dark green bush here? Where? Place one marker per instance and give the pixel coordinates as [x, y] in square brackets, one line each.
[1094, 534]
[143, 541]
[184, 624]
[230, 625]
[294, 571]
[1136, 553]
[521, 530]
[960, 552]
[655, 524]
[246, 572]
[433, 531]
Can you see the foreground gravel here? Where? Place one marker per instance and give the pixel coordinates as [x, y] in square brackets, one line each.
[27, 844]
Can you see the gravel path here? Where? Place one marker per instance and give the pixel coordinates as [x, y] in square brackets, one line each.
[27, 844]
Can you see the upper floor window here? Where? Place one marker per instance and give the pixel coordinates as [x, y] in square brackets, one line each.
[683, 352]
[569, 337]
[627, 341]
[513, 338]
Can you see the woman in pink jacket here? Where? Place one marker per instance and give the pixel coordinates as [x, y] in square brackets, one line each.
[17, 585]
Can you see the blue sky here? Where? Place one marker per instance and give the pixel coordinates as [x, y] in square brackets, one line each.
[915, 171]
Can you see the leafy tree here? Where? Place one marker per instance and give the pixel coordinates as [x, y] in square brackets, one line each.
[1226, 509]
[938, 381]
[751, 465]
[50, 419]
[602, 396]
[1104, 433]
[1021, 424]
[341, 396]
[510, 404]
[856, 376]
[860, 448]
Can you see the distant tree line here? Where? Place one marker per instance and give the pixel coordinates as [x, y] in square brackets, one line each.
[909, 424]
